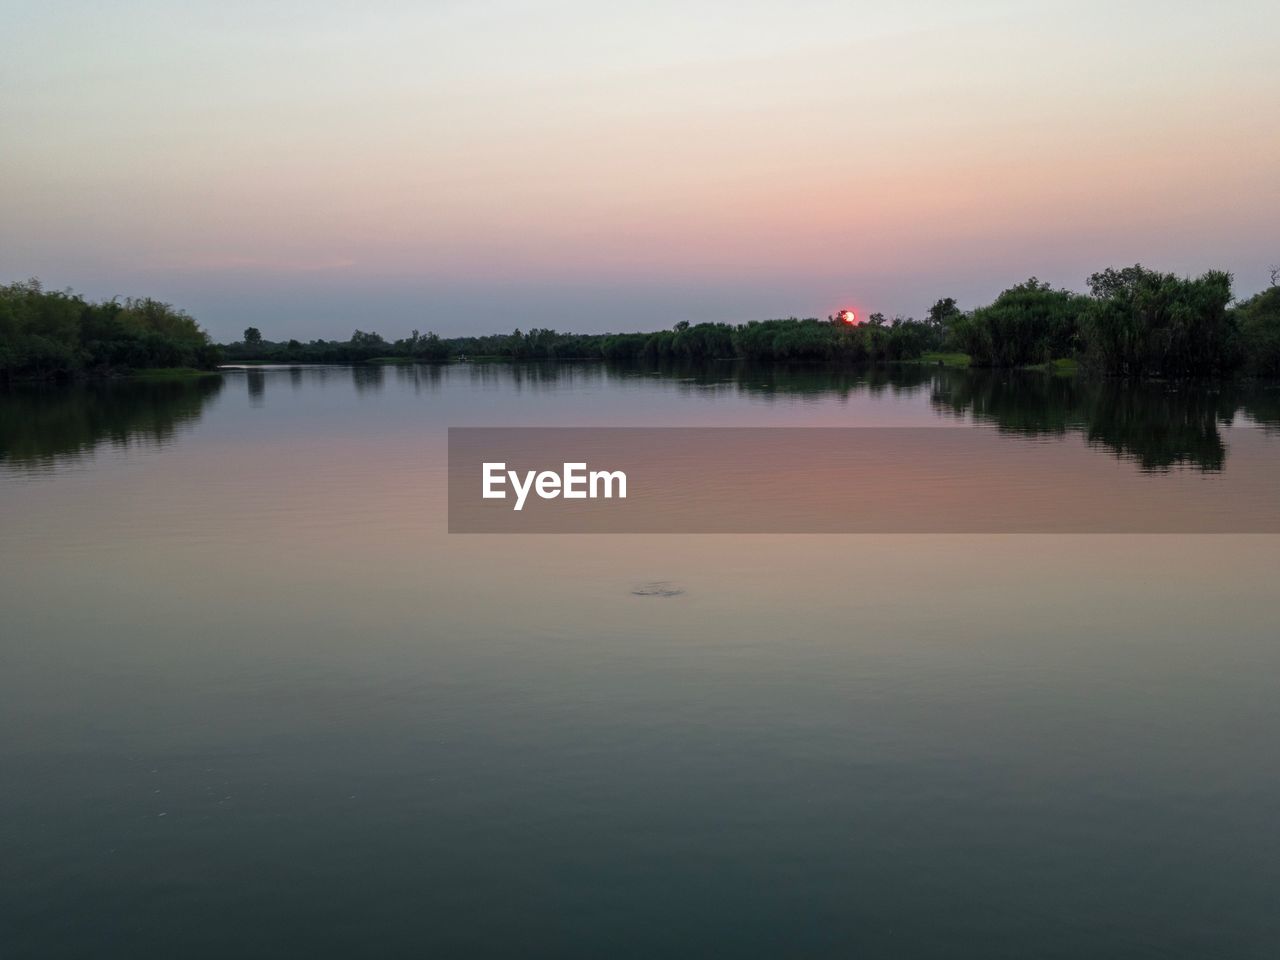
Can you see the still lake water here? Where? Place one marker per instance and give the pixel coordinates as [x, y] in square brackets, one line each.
[255, 701]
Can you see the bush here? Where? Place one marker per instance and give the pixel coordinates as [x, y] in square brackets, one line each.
[1142, 322]
[1027, 324]
[57, 334]
[1258, 322]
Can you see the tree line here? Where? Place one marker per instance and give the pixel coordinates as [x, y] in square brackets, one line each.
[1133, 322]
[786, 339]
[51, 333]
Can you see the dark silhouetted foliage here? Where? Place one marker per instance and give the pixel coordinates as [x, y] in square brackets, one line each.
[47, 334]
[1134, 322]
[790, 339]
[1258, 322]
[1142, 322]
[1027, 324]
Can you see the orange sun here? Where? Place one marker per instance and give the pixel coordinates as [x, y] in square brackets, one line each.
[849, 317]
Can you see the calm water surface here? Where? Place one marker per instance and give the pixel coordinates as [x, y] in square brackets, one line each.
[254, 701]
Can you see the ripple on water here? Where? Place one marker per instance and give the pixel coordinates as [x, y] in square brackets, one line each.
[657, 588]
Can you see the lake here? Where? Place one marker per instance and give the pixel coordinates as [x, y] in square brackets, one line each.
[256, 701]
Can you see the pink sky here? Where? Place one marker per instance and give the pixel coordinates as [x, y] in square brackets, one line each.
[473, 167]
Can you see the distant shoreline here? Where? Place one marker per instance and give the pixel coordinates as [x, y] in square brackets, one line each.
[1135, 324]
[953, 360]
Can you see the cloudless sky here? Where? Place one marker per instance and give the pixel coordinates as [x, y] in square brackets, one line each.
[469, 166]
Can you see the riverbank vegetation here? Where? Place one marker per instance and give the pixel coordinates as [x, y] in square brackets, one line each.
[1258, 320]
[48, 334]
[790, 339]
[1133, 322]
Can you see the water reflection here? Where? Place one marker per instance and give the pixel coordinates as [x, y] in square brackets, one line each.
[806, 380]
[256, 381]
[1155, 426]
[542, 376]
[1261, 404]
[43, 423]
[420, 376]
[369, 377]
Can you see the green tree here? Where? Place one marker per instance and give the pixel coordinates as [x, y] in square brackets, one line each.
[1258, 320]
[943, 311]
[59, 334]
[1143, 322]
[1028, 323]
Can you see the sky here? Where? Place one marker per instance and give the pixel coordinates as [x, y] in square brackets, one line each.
[466, 166]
